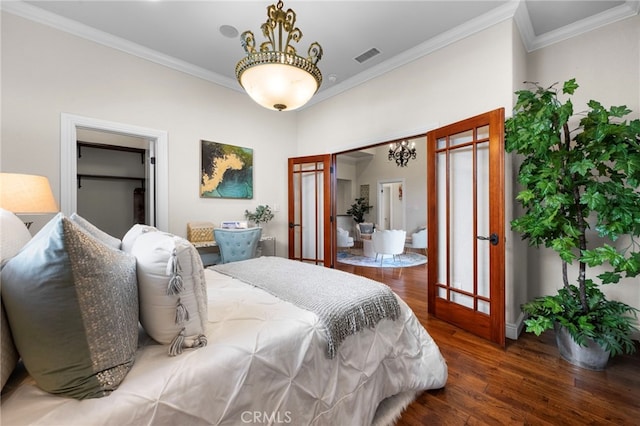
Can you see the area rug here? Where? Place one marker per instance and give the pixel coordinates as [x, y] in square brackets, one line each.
[402, 261]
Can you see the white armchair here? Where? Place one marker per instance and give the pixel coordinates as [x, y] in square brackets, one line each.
[388, 242]
[419, 240]
[344, 240]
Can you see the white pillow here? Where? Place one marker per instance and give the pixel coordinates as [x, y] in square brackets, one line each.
[13, 236]
[132, 234]
[172, 290]
[13, 233]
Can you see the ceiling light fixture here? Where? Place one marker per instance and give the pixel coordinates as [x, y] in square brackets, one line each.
[401, 152]
[275, 76]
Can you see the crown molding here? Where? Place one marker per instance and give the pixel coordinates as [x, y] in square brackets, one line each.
[523, 23]
[513, 9]
[480, 23]
[533, 42]
[41, 16]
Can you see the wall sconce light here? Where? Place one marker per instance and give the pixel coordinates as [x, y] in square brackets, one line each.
[401, 152]
[26, 194]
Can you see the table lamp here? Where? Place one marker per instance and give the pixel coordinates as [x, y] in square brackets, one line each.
[26, 194]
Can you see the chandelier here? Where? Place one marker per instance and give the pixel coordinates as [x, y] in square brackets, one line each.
[275, 76]
[401, 152]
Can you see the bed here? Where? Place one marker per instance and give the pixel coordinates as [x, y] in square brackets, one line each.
[266, 362]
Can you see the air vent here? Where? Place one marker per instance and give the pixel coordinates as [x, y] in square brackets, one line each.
[367, 55]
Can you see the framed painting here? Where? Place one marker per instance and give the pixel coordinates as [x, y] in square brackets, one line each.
[227, 171]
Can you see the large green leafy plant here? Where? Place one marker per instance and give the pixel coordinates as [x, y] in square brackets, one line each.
[359, 209]
[576, 184]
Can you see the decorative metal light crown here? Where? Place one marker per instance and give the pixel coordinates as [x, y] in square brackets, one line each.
[275, 76]
[401, 152]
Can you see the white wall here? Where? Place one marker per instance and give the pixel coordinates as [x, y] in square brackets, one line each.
[606, 65]
[516, 267]
[469, 77]
[346, 189]
[46, 72]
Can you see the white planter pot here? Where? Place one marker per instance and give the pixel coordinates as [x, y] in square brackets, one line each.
[593, 356]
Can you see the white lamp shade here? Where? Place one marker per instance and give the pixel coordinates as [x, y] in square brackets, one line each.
[273, 85]
[26, 194]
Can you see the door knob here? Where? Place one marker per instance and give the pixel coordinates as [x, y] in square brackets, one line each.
[493, 239]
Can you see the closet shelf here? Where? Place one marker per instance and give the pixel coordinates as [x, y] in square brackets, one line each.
[108, 177]
[82, 144]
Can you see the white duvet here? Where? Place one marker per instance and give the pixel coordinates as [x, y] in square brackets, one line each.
[265, 363]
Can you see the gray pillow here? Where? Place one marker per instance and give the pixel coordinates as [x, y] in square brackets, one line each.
[95, 232]
[72, 304]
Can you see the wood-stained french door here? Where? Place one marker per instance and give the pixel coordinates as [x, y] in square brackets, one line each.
[310, 209]
[465, 193]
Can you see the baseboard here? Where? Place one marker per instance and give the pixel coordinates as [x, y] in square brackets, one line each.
[512, 331]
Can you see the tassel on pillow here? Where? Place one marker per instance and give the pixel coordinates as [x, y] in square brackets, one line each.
[200, 342]
[175, 348]
[182, 314]
[173, 270]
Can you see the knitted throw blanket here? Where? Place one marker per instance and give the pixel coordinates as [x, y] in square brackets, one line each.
[345, 303]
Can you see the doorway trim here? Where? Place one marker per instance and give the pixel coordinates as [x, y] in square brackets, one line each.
[69, 125]
[380, 209]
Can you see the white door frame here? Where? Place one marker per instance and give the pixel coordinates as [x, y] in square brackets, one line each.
[69, 125]
[380, 214]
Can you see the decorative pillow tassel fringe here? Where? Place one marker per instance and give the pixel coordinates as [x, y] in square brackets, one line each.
[175, 348]
[182, 314]
[173, 268]
[200, 342]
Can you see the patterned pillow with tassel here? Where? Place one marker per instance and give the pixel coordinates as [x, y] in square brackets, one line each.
[172, 291]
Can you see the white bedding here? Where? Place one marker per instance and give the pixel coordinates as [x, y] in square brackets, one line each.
[265, 363]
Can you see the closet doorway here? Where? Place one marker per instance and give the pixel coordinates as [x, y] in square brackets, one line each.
[112, 181]
[152, 146]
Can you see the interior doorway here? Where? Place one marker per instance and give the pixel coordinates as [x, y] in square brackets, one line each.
[157, 148]
[466, 246]
[310, 210]
[115, 176]
[391, 204]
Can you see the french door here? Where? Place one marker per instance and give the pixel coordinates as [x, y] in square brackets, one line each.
[465, 193]
[310, 236]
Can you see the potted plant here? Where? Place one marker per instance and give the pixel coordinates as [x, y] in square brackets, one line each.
[359, 209]
[262, 214]
[581, 199]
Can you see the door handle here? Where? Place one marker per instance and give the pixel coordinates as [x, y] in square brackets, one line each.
[493, 239]
[291, 225]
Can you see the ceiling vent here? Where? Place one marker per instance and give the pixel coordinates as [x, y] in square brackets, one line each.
[367, 55]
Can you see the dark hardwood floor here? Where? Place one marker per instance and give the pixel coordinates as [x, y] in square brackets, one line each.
[526, 383]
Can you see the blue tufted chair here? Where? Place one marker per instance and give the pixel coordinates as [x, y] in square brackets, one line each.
[237, 244]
